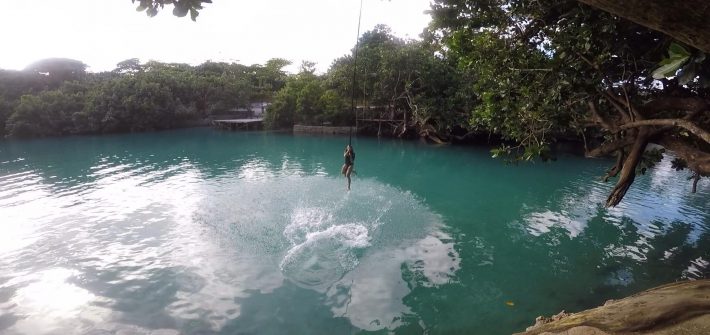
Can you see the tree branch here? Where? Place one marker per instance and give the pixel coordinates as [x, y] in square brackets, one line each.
[617, 103]
[696, 178]
[697, 160]
[691, 104]
[628, 171]
[614, 170]
[608, 147]
[685, 124]
[599, 118]
[685, 21]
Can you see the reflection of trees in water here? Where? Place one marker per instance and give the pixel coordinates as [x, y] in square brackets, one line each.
[287, 310]
[74, 160]
[562, 269]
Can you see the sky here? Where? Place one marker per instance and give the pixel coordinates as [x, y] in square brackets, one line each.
[102, 33]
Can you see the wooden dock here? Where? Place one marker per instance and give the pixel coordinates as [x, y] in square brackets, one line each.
[326, 130]
[239, 124]
[386, 119]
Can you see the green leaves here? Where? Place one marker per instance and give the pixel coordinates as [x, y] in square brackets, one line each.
[182, 7]
[180, 10]
[677, 56]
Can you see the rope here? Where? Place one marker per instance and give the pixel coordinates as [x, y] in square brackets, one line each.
[357, 46]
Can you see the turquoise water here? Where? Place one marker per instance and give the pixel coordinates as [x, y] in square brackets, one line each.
[200, 232]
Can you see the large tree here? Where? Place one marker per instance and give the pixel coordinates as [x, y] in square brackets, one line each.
[58, 70]
[684, 20]
[547, 69]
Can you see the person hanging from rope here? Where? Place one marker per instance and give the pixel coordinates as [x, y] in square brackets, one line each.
[349, 153]
[347, 168]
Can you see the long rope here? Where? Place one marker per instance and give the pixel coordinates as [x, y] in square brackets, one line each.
[357, 46]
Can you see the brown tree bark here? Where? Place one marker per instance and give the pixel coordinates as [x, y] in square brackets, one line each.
[684, 20]
[698, 161]
[685, 124]
[628, 171]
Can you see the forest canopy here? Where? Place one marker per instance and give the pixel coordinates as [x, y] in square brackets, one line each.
[56, 97]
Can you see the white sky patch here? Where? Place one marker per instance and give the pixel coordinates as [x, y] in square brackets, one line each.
[103, 33]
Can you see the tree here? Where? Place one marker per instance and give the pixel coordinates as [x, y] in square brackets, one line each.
[408, 77]
[56, 97]
[131, 65]
[550, 69]
[58, 70]
[270, 77]
[5, 109]
[685, 21]
[307, 99]
[49, 113]
[180, 7]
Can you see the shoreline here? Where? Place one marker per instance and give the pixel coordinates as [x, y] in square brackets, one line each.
[574, 148]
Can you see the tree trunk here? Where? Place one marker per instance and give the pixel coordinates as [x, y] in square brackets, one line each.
[684, 20]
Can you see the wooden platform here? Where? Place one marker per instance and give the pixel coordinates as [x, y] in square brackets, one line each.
[238, 124]
[329, 130]
[386, 119]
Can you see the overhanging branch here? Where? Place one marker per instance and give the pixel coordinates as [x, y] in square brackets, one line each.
[686, 21]
[697, 160]
[685, 124]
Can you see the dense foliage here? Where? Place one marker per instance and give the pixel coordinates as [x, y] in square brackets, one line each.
[404, 75]
[57, 97]
[532, 73]
[549, 69]
[307, 99]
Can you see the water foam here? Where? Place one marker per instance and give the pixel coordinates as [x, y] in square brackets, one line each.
[328, 232]
[325, 256]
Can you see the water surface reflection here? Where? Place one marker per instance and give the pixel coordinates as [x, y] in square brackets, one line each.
[203, 232]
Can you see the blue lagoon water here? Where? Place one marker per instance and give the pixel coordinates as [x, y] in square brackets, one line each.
[204, 232]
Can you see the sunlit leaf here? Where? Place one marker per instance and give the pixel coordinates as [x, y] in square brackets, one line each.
[677, 50]
[670, 68]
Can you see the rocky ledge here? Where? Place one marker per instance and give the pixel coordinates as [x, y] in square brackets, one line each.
[678, 309]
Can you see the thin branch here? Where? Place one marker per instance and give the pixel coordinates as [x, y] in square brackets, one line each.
[599, 118]
[586, 60]
[614, 170]
[614, 101]
[529, 70]
[632, 111]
